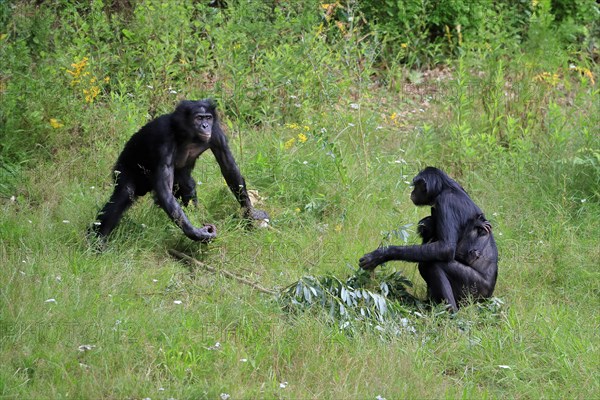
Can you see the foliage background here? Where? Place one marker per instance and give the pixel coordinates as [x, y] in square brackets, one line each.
[330, 110]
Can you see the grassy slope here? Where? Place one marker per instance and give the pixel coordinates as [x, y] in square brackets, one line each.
[122, 301]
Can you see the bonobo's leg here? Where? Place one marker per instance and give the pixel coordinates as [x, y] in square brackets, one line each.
[467, 280]
[184, 187]
[438, 284]
[110, 215]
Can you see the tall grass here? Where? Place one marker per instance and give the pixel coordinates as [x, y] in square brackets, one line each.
[329, 132]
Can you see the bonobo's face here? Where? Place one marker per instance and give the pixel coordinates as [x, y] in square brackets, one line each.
[203, 122]
[419, 194]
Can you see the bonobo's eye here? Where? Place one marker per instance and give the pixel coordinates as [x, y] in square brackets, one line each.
[203, 117]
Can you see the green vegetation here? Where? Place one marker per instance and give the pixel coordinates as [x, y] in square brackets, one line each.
[330, 110]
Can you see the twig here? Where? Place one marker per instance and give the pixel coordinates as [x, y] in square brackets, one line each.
[224, 272]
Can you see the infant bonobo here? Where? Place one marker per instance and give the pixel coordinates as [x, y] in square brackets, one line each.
[160, 157]
[458, 258]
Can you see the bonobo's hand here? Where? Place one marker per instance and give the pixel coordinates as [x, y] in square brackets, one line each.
[205, 234]
[426, 228]
[371, 260]
[255, 214]
[474, 255]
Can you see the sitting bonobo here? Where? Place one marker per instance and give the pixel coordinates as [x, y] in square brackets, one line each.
[160, 157]
[458, 258]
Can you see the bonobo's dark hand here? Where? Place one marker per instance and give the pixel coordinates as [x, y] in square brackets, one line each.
[371, 260]
[253, 213]
[205, 234]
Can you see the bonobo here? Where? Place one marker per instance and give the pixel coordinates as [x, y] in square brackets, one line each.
[160, 157]
[458, 257]
[474, 247]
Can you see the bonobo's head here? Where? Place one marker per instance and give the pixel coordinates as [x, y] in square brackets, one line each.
[475, 229]
[429, 183]
[425, 187]
[419, 194]
[197, 117]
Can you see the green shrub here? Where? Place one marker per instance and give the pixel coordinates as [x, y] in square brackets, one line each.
[421, 33]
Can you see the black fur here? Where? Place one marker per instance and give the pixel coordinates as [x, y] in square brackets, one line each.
[458, 257]
[160, 157]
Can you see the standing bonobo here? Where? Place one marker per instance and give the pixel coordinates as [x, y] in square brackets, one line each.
[160, 158]
[458, 257]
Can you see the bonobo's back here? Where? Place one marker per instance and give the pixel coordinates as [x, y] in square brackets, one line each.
[142, 149]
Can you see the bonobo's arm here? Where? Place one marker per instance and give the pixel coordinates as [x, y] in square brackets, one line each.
[435, 251]
[163, 187]
[447, 232]
[233, 177]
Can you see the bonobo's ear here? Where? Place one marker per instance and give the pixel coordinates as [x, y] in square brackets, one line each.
[184, 106]
[212, 103]
[181, 115]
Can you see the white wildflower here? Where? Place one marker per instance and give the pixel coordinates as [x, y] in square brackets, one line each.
[86, 347]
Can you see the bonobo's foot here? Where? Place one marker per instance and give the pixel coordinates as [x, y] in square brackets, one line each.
[96, 241]
[252, 213]
[205, 234]
[371, 260]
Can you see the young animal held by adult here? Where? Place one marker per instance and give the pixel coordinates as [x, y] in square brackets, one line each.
[160, 157]
[458, 258]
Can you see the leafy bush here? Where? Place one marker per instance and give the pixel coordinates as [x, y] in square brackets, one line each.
[359, 298]
[421, 33]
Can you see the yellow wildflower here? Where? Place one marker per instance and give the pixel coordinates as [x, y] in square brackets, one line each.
[448, 34]
[338, 228]
[288, 145]
[91, 94]
[329, 9]
[547, 77]
[78, 67]
[404, 45]
[302, 138]
[585, 72]
[55, 123]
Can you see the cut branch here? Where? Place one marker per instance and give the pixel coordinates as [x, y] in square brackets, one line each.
[197, 263]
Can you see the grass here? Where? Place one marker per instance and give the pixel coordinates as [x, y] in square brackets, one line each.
[524, 148]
